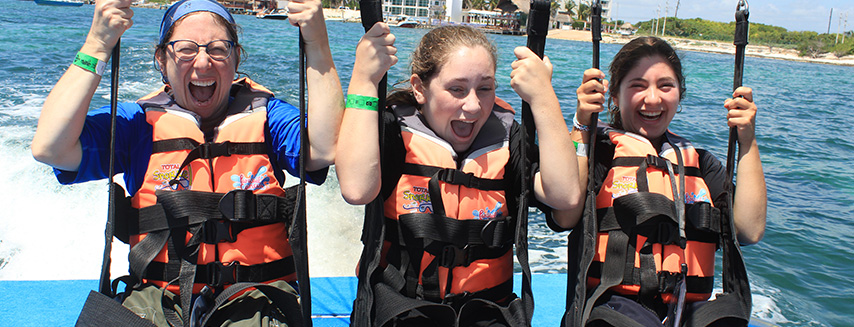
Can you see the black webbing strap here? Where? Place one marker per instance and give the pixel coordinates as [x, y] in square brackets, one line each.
[390, 304]
[613, 269]
[210, 150]
[177, 144]
[218, 274]
[373, 230]
[666, 280]
[612, 317]
[584, 240]
[491, 233]
[100, 310]
[287, 302]
[496, 293]
[637, 161]
[144, 252]
[725, 306]
[185, 208]
[455, 177]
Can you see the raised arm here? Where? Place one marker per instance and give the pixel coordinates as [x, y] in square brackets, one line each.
[358, 160]
[57, 138]
[751, 200]
[556, 184]
[591, 99]
[325, 99]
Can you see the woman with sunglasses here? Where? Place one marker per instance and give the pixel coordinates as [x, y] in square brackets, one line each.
[193, 154]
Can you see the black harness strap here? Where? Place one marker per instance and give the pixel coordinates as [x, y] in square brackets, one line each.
[218, 274]
[455, 177]
[210, 150]
[286, 302]
[460, 233]
[176, 144]
[100, 310]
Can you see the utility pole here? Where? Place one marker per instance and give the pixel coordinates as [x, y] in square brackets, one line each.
[664, 27]
[675, 13]
[830, 19]
[657, 16]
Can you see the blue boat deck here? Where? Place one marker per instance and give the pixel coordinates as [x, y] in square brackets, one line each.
[58, 302]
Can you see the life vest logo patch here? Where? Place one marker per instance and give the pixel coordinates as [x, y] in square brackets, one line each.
[419, 200]
[623, 186]
[692, 197]
[487, 213]
[166, 173]
[252, 182]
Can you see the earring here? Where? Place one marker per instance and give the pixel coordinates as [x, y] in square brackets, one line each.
[680, 109]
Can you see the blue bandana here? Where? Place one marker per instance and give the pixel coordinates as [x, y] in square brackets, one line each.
[184, 7]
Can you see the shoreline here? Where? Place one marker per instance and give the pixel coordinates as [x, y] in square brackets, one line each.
[758, 51]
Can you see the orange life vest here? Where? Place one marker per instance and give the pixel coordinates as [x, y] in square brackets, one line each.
[225, 194]
[642, 222]
[447, 220]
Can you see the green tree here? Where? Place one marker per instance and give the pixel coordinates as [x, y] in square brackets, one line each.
[569, 6]
[584, 10]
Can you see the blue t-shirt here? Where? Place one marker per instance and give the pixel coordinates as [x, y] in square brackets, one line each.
[134, 144]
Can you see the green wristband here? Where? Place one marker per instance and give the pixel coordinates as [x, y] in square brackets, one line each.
[362, 102]
[90, 63]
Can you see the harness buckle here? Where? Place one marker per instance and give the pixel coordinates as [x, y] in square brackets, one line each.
[238, 205]
[656, 161]
[229, 150]
[205, 150]
[220, 274]
[456, 177]
[218, 231]
[488, 233]
[456, 300]
[453, 256]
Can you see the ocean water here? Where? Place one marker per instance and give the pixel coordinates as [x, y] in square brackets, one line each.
[800, 273]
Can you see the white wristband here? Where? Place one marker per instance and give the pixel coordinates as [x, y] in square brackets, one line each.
[578, 125]
[581, 149]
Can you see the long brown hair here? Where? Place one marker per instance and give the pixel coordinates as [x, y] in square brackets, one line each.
[628, 58]
[433, 51]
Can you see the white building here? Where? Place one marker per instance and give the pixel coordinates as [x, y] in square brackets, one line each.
[424, 9]
[606, 7]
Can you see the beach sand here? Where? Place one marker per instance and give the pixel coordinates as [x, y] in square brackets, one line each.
[709, 46]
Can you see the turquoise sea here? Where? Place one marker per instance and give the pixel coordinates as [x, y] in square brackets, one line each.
[801, 273]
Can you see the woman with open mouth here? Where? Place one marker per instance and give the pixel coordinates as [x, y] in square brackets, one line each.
[449, 182]
[203, 160]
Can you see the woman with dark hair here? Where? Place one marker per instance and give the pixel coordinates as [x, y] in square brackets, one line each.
[449, 178]
[202, 158]
[659, 200]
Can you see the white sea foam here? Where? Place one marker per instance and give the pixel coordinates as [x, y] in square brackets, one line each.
[54, 232]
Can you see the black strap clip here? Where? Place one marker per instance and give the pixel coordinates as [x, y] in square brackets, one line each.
[220, 274]
[218, 231]
[238, 205]
[453, 256]
[493, 231]
[656, 161]
[456, 177]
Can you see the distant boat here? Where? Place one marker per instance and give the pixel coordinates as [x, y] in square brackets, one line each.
[65, 3]
[408, 23]
[278, 14]
[403, 21]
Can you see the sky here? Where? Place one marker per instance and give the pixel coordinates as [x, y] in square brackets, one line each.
[793, 15]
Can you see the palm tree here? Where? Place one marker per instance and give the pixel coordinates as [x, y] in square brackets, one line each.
[569, 6]
[584, 10]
